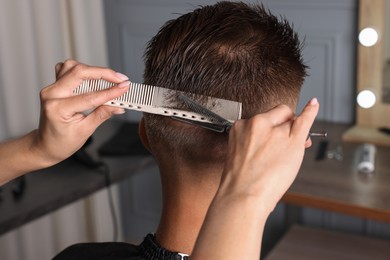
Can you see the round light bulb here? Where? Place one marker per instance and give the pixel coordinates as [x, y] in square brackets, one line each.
[368, 37]
[366, 99]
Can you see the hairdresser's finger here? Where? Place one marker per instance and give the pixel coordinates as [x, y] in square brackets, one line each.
[279, 114]
[92, 100]
[65, 66]
[58, 68]
[305, 120]
[75, 76]
[308, 142]
[99, 115]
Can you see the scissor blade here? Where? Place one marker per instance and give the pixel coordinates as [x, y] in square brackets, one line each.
[209, 126]
[213, 117]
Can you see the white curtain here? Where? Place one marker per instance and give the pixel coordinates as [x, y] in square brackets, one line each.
[34, 36]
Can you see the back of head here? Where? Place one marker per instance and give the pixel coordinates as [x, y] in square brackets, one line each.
[229, 50]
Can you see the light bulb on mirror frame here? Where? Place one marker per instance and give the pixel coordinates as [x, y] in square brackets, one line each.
[368, 37]
[366, 99]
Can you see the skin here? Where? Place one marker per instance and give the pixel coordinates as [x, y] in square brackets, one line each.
[214, 209]
[63, 129]
[265, 154]
[227, 219]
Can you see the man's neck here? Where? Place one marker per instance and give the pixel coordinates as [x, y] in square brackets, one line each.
[186, 199]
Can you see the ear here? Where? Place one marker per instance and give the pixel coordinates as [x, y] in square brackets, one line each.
[143, 136]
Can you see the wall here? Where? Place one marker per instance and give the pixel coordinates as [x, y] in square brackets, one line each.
[327, 28]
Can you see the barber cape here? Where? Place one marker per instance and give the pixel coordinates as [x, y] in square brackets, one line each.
[149, 249]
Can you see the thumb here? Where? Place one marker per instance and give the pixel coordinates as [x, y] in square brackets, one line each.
[305, 120]
[100, 115]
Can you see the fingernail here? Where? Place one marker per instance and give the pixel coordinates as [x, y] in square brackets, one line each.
[122, 76]
[313, 101]
[124, 84]
[119, 111]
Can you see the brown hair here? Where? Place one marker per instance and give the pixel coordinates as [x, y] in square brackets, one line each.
[228, 50]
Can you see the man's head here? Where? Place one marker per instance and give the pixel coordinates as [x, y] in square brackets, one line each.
[228, 50]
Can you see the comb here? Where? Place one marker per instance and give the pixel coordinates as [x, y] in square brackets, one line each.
[158, 100]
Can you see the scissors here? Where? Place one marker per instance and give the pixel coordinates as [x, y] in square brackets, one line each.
[220, 124]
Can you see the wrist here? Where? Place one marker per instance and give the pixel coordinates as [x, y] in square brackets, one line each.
[256, 204]
[249, 194]
[38, 152]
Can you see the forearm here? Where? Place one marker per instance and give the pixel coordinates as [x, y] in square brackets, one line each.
[233, 229]
[18, 157]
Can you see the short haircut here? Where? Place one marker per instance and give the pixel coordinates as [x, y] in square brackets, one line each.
[229, 50]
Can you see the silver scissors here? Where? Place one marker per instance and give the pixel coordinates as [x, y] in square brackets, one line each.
[219, 124]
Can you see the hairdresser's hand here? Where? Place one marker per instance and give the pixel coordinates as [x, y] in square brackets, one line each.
[265, 154]
[63, 129]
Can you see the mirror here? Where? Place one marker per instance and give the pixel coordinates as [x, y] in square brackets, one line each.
[386, 55]
[373, 75]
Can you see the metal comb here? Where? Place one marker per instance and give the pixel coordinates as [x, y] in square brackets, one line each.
[158, 100]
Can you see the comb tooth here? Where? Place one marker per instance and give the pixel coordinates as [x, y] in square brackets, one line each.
[150, 95]
[146, 92]
[133, 94]
[130, 93]
[77, 90]
[126, 97]
[107, 84]
[87, 87]
[123, 97]
[142, 95]
[81, 88]
[100, 84]
[139, 96]
[146, 96]
[96, 85]
[131, 90]
[103, 84]
[153, 89]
